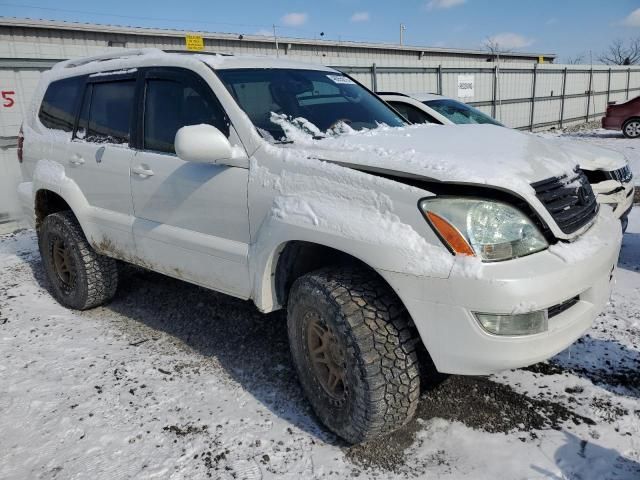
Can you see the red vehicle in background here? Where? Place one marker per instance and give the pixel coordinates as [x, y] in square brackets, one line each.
[624, 116]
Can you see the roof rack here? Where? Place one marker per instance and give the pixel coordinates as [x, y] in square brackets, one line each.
[190, 52]
[120, 53]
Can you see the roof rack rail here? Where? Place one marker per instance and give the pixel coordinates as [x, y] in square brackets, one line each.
[199, 53]
[120, 53]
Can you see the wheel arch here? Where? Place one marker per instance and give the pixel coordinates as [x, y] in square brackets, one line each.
[47, 202]
[291, 259]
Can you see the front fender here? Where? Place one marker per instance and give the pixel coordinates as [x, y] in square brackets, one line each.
[372, 219]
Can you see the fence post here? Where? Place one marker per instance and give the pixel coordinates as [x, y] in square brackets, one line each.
[439, 79]
[628, 79]
[589, 95]
[609, 86]
[374, 78]
[564, 91]
[533, 95]
[495, 89]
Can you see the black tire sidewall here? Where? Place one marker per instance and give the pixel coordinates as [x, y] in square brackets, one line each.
[307, 296]
[624, 128]
[58, 226]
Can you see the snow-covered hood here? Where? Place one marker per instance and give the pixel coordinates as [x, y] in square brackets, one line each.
[470, 154]
[592, 157]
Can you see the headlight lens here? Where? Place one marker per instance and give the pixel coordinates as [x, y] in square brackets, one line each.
[495, 230]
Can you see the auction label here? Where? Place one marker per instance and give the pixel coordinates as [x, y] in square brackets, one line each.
[465, 86]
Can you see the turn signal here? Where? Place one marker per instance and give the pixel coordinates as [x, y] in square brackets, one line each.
[450, 235]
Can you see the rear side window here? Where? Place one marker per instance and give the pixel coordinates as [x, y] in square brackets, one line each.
[58, 109]
[172, 104]
[106, 112]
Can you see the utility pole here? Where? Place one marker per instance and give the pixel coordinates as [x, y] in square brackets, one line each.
[402, 29]
[275, 37]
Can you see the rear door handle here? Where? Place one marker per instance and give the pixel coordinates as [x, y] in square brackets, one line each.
[142, 171]
[76, 160]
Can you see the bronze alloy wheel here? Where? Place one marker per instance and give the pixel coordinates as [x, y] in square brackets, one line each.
[354, 349]
[63, 263]
[327, 358]
[79, 277]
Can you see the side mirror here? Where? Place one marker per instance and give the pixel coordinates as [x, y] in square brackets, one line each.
[206, 144]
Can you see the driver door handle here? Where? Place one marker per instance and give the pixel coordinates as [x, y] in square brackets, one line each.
[142, 171]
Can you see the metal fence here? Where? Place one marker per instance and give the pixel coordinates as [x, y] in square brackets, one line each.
[528, 97]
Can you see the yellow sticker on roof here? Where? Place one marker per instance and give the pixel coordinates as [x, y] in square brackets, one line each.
[194, 42]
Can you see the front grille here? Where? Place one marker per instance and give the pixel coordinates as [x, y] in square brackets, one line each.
[569, 200]
[562, 307]
[622, 175]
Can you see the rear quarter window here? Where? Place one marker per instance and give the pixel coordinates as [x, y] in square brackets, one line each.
[60, 103]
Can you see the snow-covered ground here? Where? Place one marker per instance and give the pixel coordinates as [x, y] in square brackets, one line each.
[172, 381]
[609, 139]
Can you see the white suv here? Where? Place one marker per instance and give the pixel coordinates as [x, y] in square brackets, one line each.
[296, 187]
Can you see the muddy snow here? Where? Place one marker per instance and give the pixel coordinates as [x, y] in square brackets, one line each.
[172, 381]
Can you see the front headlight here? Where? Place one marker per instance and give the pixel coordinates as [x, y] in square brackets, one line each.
[493, 230]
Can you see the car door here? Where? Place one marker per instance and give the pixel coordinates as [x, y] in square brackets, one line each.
[191, 218]
[99, 157]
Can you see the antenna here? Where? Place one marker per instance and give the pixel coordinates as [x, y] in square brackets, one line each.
[402, 29]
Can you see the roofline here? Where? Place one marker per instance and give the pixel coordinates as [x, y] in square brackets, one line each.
[118, 29]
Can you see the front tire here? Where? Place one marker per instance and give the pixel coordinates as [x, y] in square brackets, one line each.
[631, 128]
[79, 278]
[355, 352]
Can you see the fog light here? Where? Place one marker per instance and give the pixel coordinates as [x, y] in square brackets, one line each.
[516, 324]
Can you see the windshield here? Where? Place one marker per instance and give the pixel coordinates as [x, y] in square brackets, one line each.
[460, 113]
[329, 101]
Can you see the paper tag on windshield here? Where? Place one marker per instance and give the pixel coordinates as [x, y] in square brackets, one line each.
[341, 79]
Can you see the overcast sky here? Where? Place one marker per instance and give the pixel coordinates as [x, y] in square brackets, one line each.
[565, 27]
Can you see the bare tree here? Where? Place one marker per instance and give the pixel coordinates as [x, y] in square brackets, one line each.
[494, 48]
[575, 59]
[622, 53]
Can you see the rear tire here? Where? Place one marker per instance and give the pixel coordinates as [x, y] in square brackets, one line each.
[79, 278]
[631, 128]
[355, 352]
